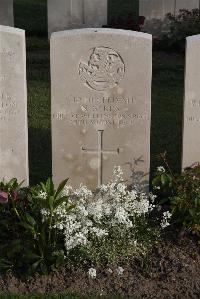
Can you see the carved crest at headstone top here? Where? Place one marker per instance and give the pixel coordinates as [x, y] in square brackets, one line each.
[104, 69]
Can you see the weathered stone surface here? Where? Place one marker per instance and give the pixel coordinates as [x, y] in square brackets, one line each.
[13, 105]
[191, 135]
[95, 13]
[155, 12]
[186, 4]
[101, 99]
[70, 14]
[6, 13]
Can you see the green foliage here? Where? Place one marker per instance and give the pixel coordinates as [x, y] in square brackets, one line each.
[185, 203]
[30, 234]
[181, 192]
[186, 23]
[41, 223]
[118, 246]
[12, 199]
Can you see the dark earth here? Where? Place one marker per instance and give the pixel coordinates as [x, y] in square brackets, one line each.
[173, 272]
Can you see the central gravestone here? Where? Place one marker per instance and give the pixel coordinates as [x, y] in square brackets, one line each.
[101, 90]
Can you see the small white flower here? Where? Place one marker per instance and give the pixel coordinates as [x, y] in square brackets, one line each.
[135, 242]
[99, 232]
[160, 169]
[120, 271]
[152, 197]
[103, 188]
[67, 190]
[92, 273]
[118, 173]
[43, 194]
[157, 187]
[166, 216]
[121, 188]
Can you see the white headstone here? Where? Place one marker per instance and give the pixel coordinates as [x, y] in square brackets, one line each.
[191, 135]
[70, 14]
[6, 13]
[101, 99]
[155, 12]
[186, 4]
[13, 105]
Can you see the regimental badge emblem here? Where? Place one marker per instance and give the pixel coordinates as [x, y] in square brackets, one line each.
[104, 69]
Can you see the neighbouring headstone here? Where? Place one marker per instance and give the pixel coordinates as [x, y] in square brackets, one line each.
[155, 12]
[6, 13]
[13, 105]
[186, 4]
[95, 13]
[101, 99]
[191, 136]
[70, 14]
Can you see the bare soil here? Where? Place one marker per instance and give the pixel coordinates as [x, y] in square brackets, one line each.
[173, 272]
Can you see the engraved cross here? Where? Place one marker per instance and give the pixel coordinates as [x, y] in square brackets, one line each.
[100, 151]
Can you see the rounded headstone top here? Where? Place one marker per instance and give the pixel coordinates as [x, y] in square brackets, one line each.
[12, 30]
[193, 37]
[75, 32]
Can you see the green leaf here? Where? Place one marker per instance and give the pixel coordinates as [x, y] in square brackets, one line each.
[43, 187]
[60, 201]
[19, 186]
[12, 182]
[61, 187]
[30, 220]
[28, 227]
[192, 212]
[51, 202]
[36, 264]
[164, 179]
[164, 200]
[32, 256]
[156, 181]
[50, 186]
[70, 207]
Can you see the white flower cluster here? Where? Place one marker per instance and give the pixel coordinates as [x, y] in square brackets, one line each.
[92, 272]
[165, 221]
[95, 213]
[43, 194]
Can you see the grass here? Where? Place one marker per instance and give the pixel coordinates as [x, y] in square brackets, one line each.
[167, 92]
